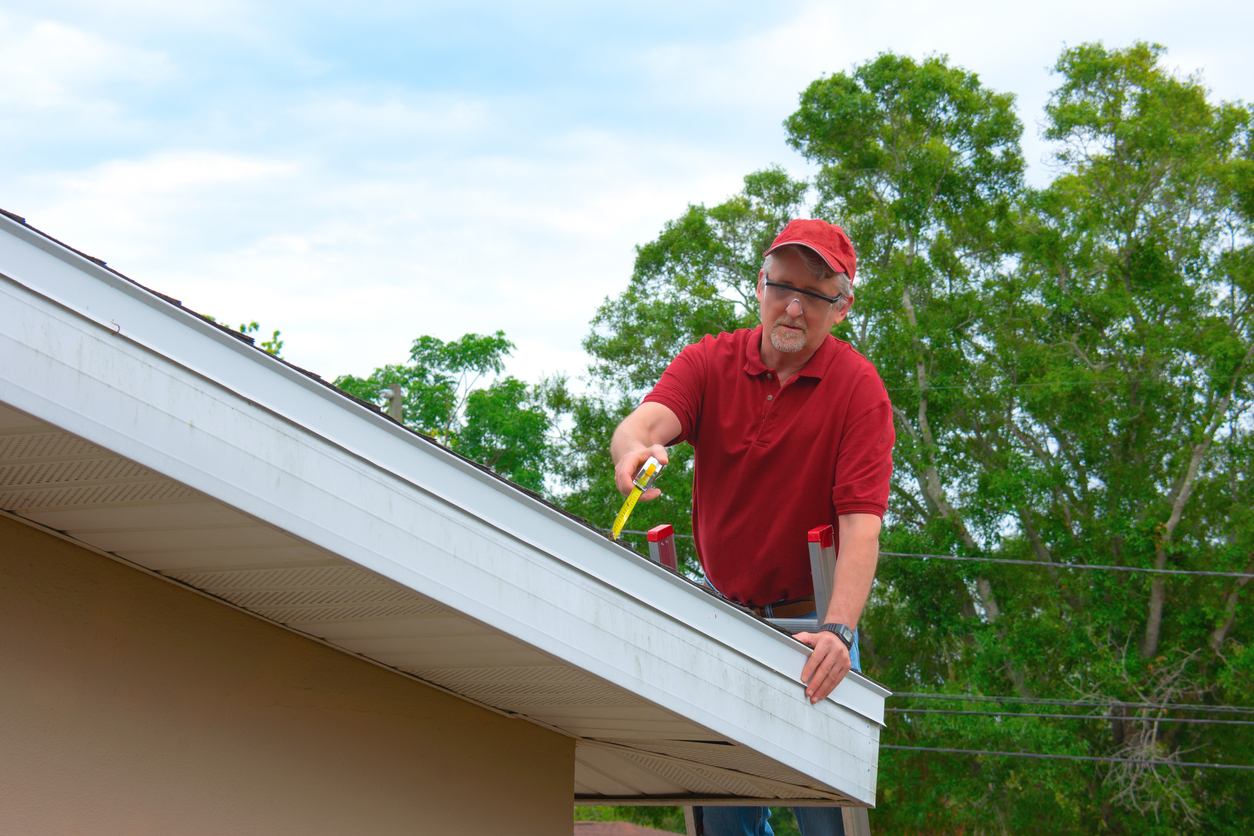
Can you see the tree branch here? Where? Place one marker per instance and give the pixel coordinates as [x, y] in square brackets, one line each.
[1182, 490]
[1230, 610]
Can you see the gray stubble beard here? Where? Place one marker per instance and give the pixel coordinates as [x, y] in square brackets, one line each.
[781, 343]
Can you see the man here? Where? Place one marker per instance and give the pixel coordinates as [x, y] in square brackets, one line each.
[792, 429]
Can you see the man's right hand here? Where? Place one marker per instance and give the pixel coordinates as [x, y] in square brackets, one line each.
[640, 435]
[630, 464]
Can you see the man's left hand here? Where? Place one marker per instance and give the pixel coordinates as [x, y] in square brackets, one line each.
[827, 665]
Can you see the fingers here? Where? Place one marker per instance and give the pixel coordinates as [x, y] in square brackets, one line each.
[826, 666]
[627, 467]
[658, 452]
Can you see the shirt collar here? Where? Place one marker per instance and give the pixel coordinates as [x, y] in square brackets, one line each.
[815, 367]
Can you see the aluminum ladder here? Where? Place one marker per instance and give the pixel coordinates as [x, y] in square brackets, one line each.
[822, 542]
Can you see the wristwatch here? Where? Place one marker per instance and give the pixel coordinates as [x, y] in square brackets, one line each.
[842, 631]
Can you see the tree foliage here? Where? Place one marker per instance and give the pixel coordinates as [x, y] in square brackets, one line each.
[1072, 377]
[273, 346]
[503, 426]
[1070, 369]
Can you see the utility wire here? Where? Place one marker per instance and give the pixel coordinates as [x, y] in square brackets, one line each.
[1038, 756]
[1230, 709]
[632, 531]
[1056, 383]
[1086, 566]
[1071, 716]
[1041, 564]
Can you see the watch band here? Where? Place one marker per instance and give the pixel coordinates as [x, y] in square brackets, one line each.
[841, 631]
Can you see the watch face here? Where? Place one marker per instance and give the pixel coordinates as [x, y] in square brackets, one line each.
[843, 631]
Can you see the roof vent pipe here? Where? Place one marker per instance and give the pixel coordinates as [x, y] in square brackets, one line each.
[396, 402]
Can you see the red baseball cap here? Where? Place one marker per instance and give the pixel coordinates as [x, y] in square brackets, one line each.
[828, 240]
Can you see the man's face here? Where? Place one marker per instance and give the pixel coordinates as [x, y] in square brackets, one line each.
[790, 328]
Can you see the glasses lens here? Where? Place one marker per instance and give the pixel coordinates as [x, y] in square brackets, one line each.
[812, 305]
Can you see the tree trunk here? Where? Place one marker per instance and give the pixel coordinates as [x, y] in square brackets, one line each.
[1182, 490]
[1230, 610]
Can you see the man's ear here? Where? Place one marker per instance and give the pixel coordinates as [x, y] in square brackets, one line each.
[844, 310]
[761, 287]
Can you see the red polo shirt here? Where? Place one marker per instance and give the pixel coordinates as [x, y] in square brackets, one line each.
[773, 463]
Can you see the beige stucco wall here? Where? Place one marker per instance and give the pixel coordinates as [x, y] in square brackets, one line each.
[131, 706]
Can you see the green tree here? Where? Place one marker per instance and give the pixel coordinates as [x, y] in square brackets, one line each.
[669, 819]
[1071, 376]
[503, 426]
[273, 346]
[922, 165]
[1125, 342]
[1102, 418]
[505, 430]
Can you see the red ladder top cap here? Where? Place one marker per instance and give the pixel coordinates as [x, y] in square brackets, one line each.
[823, 535]
[660, 532]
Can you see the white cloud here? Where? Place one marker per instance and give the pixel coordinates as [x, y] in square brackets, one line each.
[149, 209]
[50, 65]
[356, 211]
[1011, 49]
[759, 69]
[392, 118]
[353, 265]
[142, 18]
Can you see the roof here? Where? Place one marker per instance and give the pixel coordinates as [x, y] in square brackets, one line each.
[138, 429]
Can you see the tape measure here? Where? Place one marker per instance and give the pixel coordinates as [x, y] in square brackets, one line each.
[643, 481]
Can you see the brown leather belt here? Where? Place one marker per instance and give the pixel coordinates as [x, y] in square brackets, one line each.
[787, 609]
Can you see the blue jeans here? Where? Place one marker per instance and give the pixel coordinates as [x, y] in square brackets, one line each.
[754, 821]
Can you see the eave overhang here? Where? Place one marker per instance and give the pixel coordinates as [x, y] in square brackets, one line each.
[139, 430]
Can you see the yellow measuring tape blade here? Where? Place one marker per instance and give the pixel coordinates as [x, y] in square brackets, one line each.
[624, 513]
[643, 481]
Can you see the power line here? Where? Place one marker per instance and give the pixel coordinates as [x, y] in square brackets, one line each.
[1071, 716]
[1040, 563]
[1038, 756]
[631, 531]
[1055, 383]
[1086, 566]
[1229, 709]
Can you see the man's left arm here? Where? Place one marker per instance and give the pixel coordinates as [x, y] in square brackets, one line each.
[855, 569]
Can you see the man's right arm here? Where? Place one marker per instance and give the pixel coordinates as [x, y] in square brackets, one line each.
[640, 435]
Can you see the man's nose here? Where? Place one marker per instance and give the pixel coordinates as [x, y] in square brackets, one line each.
[794, 303]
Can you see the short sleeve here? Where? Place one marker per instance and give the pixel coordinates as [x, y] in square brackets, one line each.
[864, 466]
[682, 388]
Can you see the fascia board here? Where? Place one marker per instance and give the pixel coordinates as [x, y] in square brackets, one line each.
[98, 356]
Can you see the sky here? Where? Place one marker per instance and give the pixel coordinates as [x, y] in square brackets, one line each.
[358, 175]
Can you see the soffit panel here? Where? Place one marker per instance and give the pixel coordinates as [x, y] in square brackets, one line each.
[181, 515]
[194, 561]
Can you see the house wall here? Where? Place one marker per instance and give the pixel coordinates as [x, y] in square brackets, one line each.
[131, 706]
